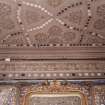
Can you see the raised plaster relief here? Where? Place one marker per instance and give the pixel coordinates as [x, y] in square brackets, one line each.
[54, 3]
[101, 10]
[99, 24]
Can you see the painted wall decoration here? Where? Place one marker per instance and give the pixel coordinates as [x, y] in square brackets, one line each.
[53, 93]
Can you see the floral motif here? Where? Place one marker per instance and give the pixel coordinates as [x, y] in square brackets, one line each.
[5, 20]
[99, 24]
[74, 17]
[101, 10]
[54, 3]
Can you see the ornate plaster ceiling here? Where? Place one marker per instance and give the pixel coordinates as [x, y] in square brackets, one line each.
[50, 23]
[48, 39]
[52, 39]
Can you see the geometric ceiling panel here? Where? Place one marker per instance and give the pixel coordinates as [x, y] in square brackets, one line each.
[46, 23]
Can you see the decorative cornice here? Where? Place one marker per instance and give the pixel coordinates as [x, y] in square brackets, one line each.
[55, 53]
[52, 69]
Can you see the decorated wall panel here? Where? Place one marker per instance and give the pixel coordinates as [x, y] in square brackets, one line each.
[53, 93]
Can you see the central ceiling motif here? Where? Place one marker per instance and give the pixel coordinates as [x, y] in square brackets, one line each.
[52, 23]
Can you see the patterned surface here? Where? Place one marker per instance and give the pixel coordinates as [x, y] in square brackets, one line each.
[57, 94]
[52, 22]
[69, 100]
[53, 92]
[8, 95]
[32, 30]
[99, 95]
[52, 69]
